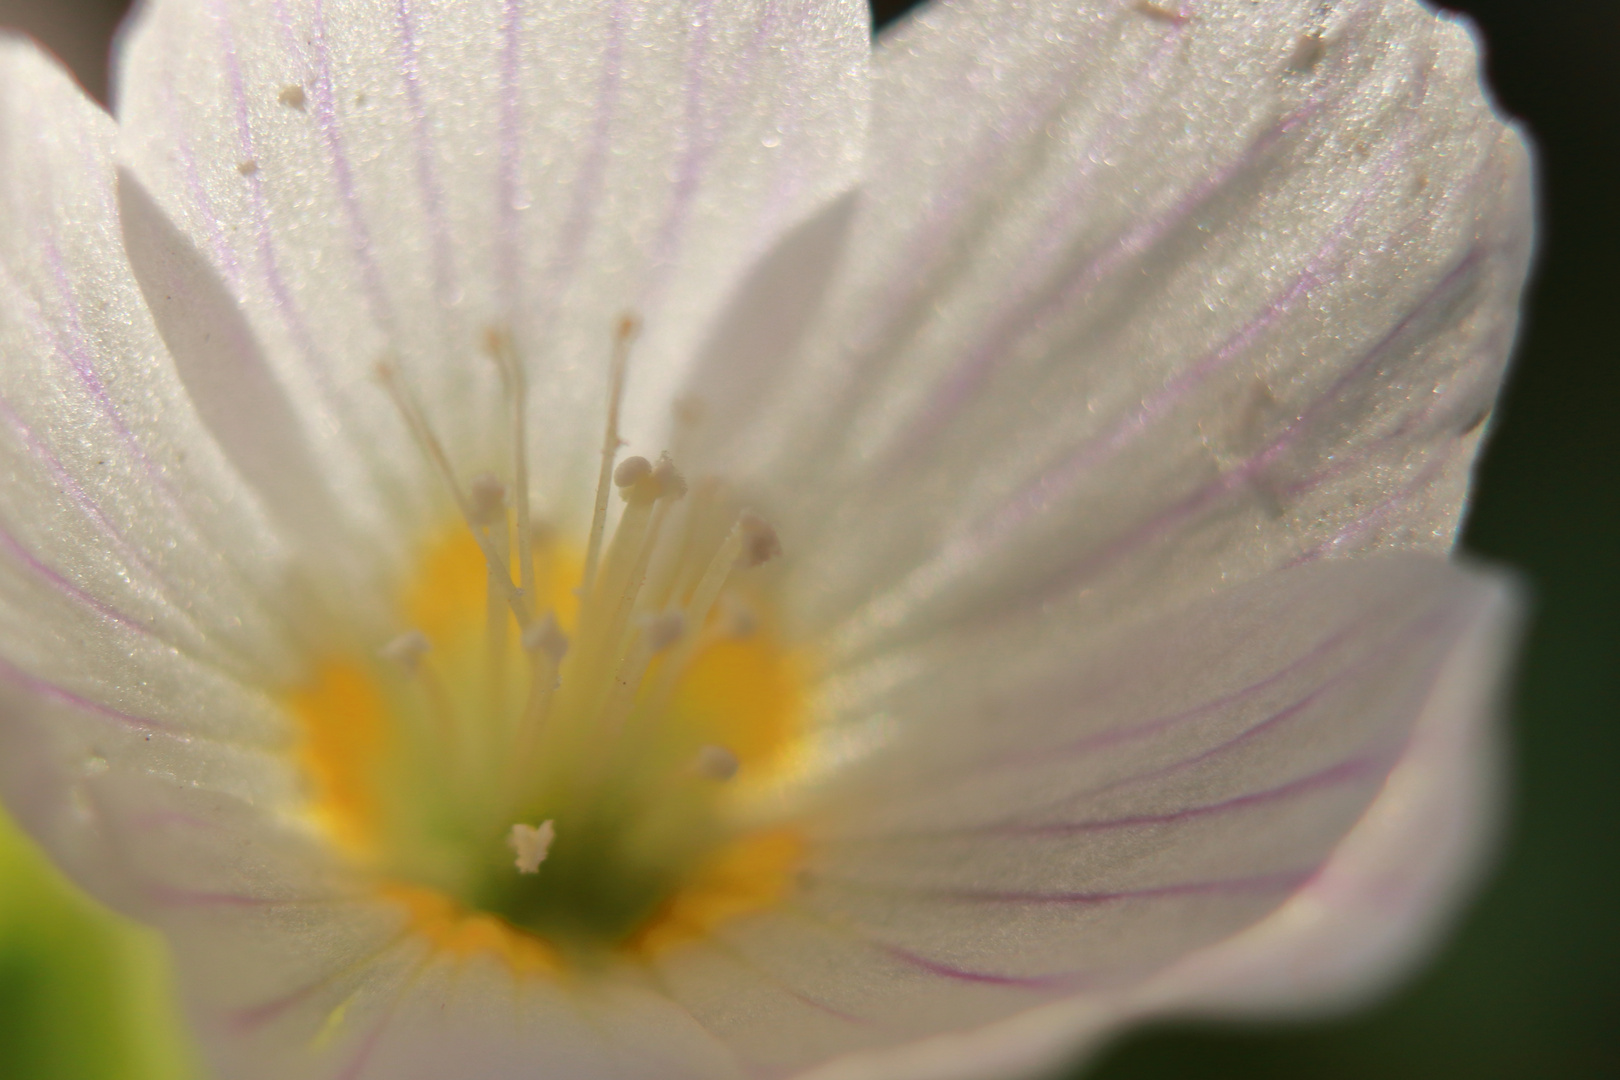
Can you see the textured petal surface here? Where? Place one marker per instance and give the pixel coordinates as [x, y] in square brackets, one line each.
[1142, 304]
[392, 178]
[1364, 917]
[137, 575]
[1152, 309]
[1082, 822]
[1075, 834]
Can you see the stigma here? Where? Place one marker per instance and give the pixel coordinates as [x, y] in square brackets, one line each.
[609, 685]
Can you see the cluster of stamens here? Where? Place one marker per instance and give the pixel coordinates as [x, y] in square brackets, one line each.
[561, 739]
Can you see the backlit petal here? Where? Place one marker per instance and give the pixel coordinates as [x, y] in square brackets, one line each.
[137, 610]
[391, 179]
[1143, 304]
[1050, 828]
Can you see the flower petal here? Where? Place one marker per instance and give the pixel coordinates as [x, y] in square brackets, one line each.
[1143, 304]
[95, 430]
[392, 1008]
[218, 359]
[395, 179]
[1071, 831]
[141, 584]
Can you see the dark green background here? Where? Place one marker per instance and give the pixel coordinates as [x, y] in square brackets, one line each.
[1530, 984]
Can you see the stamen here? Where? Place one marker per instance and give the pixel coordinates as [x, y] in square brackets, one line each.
[624, 571]
[546, 645]
[488, 499]
[674, 579]
[407, 650]
[658, 632]
[624, 336]
[531, 845]
[663, 630]
[750, 542]
[547, 637]
[631, 471]
[499, 343]
[430, 445]
[760, 543]
[410, 650]
[716, 763]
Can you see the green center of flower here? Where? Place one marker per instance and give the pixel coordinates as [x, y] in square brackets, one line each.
[559, 741]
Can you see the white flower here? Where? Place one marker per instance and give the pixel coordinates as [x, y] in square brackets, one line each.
[1109, 375]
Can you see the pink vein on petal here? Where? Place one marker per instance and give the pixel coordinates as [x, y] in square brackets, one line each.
[46, 689]
[1244, 473]
[932, 236]
[1339, 774]
[954, 973]
[1419, 631]
[1284, 881]
[1039, 492]
[291, 314]
[433, 197]
[743, 960]
[510, 143]
[1370, 520]
[67, 588]
[588, 181]
[256, 1016]
[71, 346]
[325, 107]
[180, 132]
[59, 472]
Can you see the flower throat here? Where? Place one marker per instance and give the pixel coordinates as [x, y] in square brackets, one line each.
[546, 759]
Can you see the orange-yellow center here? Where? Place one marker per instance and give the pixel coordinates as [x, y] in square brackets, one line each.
[415, 774]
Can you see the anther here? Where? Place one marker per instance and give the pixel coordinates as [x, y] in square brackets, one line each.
[498, 341]
[531, 845]
[671, 484]
[545, 636]
[759, 541]
[716, 763]
[407, 650]
[416, 421]
[661, 631]
[631, 471]
[486, 499]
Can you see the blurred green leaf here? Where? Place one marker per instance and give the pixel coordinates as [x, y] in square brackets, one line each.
[84, 993]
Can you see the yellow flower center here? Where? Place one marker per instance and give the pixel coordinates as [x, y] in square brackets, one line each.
[550, 763]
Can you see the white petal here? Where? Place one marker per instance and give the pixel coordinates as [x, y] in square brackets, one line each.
[141, 585]
[1136, 305]
[118, 510]
[316, 987]
[1072, 835]
[1367, 915]
[473, 1019]
[1393, 884]
[395, 178]
[224, 371]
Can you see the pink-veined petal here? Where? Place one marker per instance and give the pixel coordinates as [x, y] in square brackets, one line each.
[142, 587]
[96, 432]
[1072, 831]
[1140, 304]
[391, 180]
